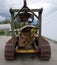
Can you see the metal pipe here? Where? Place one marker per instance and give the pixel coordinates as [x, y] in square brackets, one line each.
[25, 4]
[17, 10]
[40, 21]
[12, 26]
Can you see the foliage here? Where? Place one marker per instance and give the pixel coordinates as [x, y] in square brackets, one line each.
[5, 22]
[2, 32]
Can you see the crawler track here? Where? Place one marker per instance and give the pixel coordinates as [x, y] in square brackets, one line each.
[44, 50]
[9, 51]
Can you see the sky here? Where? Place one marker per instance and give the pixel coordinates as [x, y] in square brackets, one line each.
[49, 7]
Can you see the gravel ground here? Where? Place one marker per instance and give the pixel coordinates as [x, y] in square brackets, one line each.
[27, 60]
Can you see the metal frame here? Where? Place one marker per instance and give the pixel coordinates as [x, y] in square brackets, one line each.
[39, 17]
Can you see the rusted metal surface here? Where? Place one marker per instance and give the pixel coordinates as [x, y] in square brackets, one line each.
[9, 52]
[44, 49]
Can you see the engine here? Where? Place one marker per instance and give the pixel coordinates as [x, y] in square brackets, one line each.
[26, 37]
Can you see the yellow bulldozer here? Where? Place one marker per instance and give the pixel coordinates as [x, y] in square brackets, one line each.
[28, 38]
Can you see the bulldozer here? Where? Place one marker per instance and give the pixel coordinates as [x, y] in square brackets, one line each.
[28, 38]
